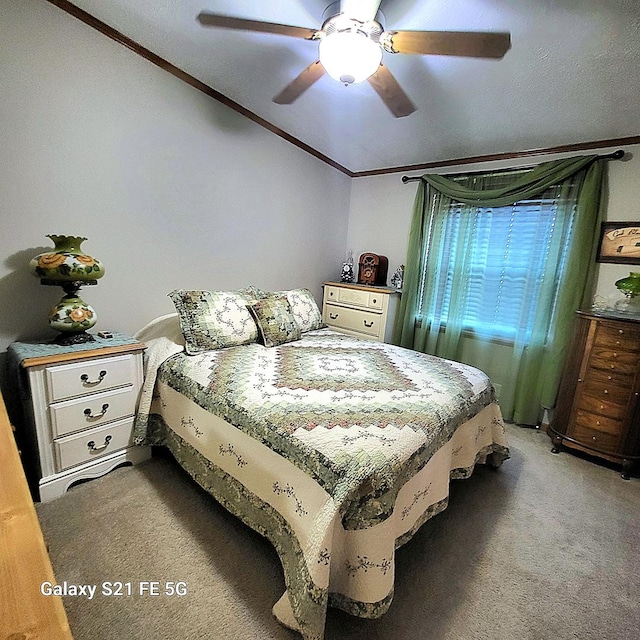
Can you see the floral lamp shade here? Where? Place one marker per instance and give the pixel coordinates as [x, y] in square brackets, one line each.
[69, 267]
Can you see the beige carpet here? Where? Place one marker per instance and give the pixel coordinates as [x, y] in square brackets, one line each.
[546, 548]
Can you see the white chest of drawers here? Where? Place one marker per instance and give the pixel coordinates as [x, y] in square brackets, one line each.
[360, 310]
[80, 406]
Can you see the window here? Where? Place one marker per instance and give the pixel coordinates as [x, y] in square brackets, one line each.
[500, 256]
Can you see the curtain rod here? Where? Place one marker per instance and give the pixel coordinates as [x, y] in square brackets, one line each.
[616, 155]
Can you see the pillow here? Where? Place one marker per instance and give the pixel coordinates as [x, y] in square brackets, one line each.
[275, 321]
[214, 319]
[304, 309]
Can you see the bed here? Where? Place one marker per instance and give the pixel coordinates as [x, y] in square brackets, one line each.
[336, 449]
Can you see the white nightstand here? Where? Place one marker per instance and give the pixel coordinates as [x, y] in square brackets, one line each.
[360, 310]
[80, 403]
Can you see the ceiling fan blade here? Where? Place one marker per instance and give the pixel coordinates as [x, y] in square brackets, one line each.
[228, 22]
[448, 43]
[392, 94]
[299, 85]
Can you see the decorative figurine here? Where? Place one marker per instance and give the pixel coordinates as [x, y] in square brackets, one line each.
[397, 278]
[346, 274]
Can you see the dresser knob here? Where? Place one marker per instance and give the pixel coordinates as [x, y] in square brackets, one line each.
[593, 438]
[85, 378]
[87, 412]
[621, 331]
[602, 406]
[598, 423]
[606, 390]
[609, 377]
[615, 355]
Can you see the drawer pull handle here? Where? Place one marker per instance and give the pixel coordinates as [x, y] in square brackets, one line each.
[87, 412]
[368, 324]
[85, 379]
[334, 316]
[606, 390]
[91, 445]
[374, 301]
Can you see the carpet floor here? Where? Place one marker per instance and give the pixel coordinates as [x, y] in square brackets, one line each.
[546, 548]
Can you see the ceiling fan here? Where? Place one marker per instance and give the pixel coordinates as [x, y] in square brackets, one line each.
[352, 40]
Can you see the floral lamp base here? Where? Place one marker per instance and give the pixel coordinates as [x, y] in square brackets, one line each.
[72, 316]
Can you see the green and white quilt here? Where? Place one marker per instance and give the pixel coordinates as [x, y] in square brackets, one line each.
[336, 449]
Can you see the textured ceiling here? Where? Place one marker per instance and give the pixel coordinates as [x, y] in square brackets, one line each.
[571, 75]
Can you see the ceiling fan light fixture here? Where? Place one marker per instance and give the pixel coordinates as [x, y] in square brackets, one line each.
[349, 56]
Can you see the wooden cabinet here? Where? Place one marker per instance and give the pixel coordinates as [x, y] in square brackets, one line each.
[360, 310]
[598, 410]
[80, 403]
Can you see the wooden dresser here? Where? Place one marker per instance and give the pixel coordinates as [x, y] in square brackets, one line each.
[598, 410]
[360, 310]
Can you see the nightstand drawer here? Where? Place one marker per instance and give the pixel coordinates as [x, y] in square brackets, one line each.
[93, 443]
[92, 410]
[355, 297]
[80, 378]
[354, 320]
[344, 295]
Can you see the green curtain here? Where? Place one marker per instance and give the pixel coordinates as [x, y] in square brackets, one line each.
[538, 357]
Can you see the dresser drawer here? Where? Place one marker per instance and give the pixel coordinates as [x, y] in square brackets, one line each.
[603, 406]
[354, 320]
[79, 378]
[627, 338]
[93, 443]
[606, 392]
[597, 422]
[91, 410]
[608, 378]
[600, 440]
[617, 361]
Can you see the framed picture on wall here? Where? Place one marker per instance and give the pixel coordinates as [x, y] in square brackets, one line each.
[619, 242]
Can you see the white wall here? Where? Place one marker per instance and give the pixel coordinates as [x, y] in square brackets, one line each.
[381, 208]
[171, 188]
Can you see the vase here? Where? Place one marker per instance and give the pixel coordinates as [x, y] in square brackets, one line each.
[630, 285]
[72, 315]
[66, 262]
